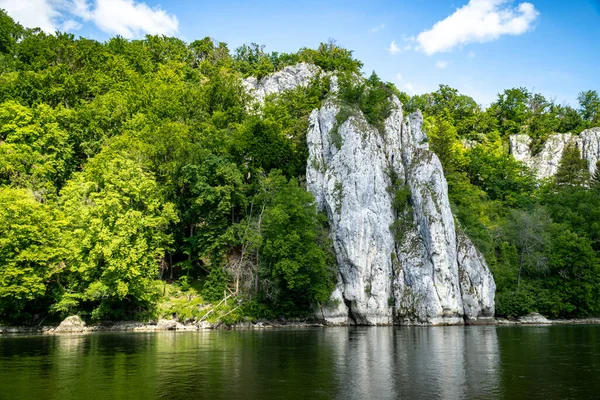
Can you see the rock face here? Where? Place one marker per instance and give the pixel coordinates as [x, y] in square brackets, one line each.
[73, 323]
[545, 164]
[288, 78]
[534, 318]
[397, 263]
[421, 275]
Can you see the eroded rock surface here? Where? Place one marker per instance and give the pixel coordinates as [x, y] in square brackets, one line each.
[73, 323]
[420, 272]
[545, 163]
[288, 78]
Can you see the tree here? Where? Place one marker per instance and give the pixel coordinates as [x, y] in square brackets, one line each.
[589, 102]
[511, 110]
[120, 222]
[35, 152]
[10, 32]
[291, 258]
[527, 232]
[32, 254]
[443, 140]
[572, 169]
[500, 175]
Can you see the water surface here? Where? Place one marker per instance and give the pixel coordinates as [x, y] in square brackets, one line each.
[330, 363]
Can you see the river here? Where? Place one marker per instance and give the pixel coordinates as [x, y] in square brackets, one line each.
[320, 363]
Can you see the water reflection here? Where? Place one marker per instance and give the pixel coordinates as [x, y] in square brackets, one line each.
[343, 363]
[411, 362]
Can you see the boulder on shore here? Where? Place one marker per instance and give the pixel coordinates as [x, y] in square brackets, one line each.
[74, 323]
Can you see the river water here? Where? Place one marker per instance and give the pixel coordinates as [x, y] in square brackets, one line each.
[321, 363]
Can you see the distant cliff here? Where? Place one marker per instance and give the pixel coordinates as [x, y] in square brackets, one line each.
[421, 272]
[545, 163]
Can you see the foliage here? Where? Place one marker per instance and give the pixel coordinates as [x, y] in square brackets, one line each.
[572, 169]
[299, 269]
[137, 179]
[32, 253]
[121, 224]
[372, 97]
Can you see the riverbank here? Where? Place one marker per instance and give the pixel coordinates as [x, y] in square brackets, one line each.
[74, 324]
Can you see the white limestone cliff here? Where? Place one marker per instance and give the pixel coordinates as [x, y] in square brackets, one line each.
[545, 163]
[421, 272]
[288, 78]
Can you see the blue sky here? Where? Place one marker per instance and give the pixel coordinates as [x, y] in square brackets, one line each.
[477, 46]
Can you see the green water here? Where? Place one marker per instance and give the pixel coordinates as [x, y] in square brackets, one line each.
[331, 363]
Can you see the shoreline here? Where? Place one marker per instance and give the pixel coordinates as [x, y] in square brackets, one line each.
[174, 326]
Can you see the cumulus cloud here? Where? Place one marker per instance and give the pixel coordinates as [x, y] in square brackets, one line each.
[477, 22]
[377, 28]
[441, 64]
[393, 49]
[127, 18]
[33, 13]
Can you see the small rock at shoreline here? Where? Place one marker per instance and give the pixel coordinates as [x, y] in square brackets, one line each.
[73, 324]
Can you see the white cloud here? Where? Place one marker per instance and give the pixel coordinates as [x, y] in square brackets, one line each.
[477, 22]
[377, 28]
[33, 13]
[127, 18]
[441, 64]
[393, 49]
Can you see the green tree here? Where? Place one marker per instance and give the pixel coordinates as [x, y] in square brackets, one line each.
[120, 222]
[589, 103]
[297, 271]
[527, 232]
[32, 255]
[572, 169]
[443, 140]
[511, 110]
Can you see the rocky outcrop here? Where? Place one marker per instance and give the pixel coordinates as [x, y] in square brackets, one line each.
[71, 324]
[397, 263]
[288, 78]
[417, 273]
[545, 163]
[534, 318]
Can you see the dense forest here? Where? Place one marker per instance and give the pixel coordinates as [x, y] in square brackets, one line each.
[139, 180]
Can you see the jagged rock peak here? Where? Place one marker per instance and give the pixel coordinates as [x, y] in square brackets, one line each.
[545, 163]
[407, 265]
[424, 273]
[288, 78]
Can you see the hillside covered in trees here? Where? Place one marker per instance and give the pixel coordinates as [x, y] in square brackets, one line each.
[138, 179]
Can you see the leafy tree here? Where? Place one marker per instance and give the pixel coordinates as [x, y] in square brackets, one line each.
[331, 57]
[32, 254]
[10, 33]
[291, 258]
[120, 222]
[500, 175]
[444, 140]
[511, 110]
[527, 230]
[589, 102]
[35, 151]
